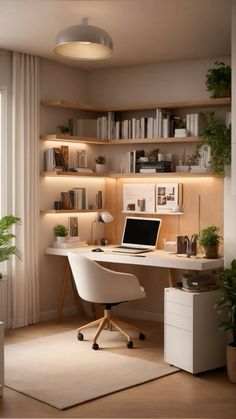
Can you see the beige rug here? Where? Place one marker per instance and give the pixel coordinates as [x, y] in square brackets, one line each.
[62, 372]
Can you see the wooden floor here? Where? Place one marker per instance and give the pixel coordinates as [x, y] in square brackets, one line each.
[181, 395]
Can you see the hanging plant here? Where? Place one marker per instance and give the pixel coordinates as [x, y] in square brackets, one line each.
[217, 135]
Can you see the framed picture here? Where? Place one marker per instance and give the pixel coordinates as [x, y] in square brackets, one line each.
[73, 228]
[167, 196]
[139, 197]
[82, 158]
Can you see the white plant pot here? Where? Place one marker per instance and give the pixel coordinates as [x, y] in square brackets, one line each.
[100, 168]
[60, 239]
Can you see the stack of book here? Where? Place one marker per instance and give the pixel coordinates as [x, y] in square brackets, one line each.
[69, 244]
[55, 158]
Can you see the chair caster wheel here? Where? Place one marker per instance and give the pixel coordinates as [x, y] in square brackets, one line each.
[130, 344]
[95, 346]
[141, 336]
[80, 336]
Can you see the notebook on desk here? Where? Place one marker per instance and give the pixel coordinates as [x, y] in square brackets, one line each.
[139, 235]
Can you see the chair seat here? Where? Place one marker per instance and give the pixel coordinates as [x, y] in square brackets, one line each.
[98, 284]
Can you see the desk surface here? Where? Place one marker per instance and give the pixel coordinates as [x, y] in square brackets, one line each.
[157, 258]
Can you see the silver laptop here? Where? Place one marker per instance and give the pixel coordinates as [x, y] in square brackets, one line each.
[139, 235]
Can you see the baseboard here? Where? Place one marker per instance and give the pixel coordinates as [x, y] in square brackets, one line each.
[52, 314]
[120, 311]
[67, 311]
[139, 314]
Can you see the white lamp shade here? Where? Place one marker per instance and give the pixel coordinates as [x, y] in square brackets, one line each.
[106, 217]
[84, 42]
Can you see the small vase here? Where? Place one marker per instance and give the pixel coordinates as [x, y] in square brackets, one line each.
[231, 362]
[61, 239]
[100, 168]
[211, 252]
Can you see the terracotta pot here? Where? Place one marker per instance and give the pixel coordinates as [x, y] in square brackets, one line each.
[231, 362]
[211, 252]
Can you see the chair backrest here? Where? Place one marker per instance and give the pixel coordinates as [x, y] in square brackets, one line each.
[101, 285]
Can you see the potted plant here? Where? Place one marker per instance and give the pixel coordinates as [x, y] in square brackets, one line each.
[209, 239]
[217, 135]
[100, 163]
[218, 80]
[227, 302]
[6, 249]
[60, 232]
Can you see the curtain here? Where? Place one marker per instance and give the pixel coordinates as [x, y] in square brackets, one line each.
[24, 274]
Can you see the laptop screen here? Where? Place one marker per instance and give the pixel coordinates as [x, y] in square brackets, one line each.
[141, 232]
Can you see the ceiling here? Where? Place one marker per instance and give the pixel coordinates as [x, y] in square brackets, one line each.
[143, 31]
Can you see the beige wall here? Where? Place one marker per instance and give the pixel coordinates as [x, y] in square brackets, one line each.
[173, 81]
[57, 81]
[169, 82]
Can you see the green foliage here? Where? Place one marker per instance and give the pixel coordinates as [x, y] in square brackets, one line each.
[6, 249]
[63, 129]
[60, 230]
[100, 159]
[209, 236]
[218, 80]
[227, 299]
[217, 135]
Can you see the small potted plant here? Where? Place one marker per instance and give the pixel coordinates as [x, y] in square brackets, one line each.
[210, 239]
[6, 249]
[227, 303]
[100, 163]
[60, 232]
[218, 80]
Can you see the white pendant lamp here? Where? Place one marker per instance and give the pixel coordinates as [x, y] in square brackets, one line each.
[84, 42]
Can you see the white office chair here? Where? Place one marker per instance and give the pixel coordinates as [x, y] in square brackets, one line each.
[97, 284]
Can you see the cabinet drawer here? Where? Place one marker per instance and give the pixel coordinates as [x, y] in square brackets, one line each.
[181, 310]
[181, 322]
[178, 348]
[178, 296]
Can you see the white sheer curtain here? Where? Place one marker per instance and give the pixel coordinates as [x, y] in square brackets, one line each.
[24, 276]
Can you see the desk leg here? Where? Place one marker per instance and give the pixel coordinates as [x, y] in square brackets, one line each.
[68, 276]
[171, 277]
[62, 293]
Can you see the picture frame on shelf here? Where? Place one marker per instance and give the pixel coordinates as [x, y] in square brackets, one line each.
[168, 196]
[73, 227]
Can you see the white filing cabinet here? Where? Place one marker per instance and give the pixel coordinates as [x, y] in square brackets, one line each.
[1, 358]
[192, 340]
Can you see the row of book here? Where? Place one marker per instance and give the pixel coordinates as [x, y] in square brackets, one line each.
[56, 158]
[74, 199]
[111, 126]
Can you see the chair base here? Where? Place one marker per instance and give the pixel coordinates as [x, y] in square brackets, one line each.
[106, 321]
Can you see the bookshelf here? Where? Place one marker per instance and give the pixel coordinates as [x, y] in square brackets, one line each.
[199, 188]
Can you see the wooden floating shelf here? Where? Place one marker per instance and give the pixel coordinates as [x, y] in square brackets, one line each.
[132, 107]
[154, 213]
[67, 174]
[72, 138]
[86, 140]
[63, 211]
[72, 105]
[130, 175]
[163, 174]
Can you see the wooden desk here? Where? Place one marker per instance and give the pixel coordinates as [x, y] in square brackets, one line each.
[157, 258]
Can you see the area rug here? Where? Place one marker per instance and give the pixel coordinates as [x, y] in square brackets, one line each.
[63, 372]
